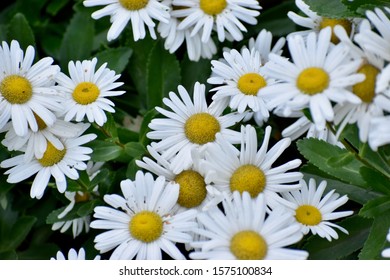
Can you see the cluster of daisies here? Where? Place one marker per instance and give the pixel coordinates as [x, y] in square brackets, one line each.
[189, 22]
[42, 112]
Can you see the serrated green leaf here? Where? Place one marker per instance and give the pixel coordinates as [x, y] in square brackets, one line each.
[163, 75]
[20, 30]
[374, 159]
[360, 6]
[330, 8]
[117, 59]
[376, 207]
[354, 193]
[105, 151]
[87, 208]
[78, 38]
[375, 180]
[377, 238]
[319, 153]
[321, 249]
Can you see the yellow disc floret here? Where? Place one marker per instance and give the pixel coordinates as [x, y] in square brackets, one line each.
[192, 188]
[313, 80]
[85, 93]
[81, 197]
[41, 124]
[146, 226]
[248, 245]
[366, 89]
[133, 5]
[16, 89]
[251, 83]
[213, 7]
[308, 215]
[248, 178]
[201, 128]
[51, 155]
[332, 22]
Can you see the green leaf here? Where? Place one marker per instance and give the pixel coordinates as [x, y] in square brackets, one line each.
[360, 6]
[194, 71]
[354, 193]
[326, 157]
[73, 214]
[377, 238]
[20, 230]
[100, 177]
[321, 249]
[163, 75]
[126, 135]
[330, 8]
[8, 255]
[104, 151]
[132, 169]
[110, 126]
[20, 30]
[376, 207]
[39, 252]
[55, 6]
[78, 38]
[117, 59]
[134, 149]
[374, 159]
[148, 116]
[375, 180]
[87, 208]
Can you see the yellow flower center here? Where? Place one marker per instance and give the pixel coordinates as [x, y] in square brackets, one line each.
[41, 124]
[16, 89]
[213, 7]
[85, 93]
[250, 83]
[146, 226]
[248, 178]
[134, 5]
[366, 89]
[313, 80]
[332, 22]
[248, 245]
[192, 188]
[81, 197]
[201, 128]
[308, 215]
[51, 155]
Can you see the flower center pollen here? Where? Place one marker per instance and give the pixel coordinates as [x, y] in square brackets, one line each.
[248, 245]
[85, 93]
[248, 178]
[192, 188]
[213, 7]
[308, 215]
[134, 5]
[16, 89]
[366, 89]
[313, 80]
[332, 22]
[250, 83]
[51, 155]
[41, 124]
[201, 128]
[146, 226]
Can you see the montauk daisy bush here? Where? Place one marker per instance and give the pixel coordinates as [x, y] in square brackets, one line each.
[195, 130]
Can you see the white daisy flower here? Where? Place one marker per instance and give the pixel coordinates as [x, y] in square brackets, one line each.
[386, 252]
[371, 67]
[243, 78]
[224, 16]
[192, 124]
[34, 144]
[250, 169]
[378, 44]
[315, 22]
[317, 75]
[313, 211]
[86, 91]
[145, 222]
[174, 38]
[72, 255]
[139, 12]
[193, 192]
[263, 44]
[379, 134]
[26, 88]
[243, 231]
[57, 163]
